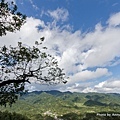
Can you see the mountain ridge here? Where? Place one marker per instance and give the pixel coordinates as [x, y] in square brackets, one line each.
[59, 103]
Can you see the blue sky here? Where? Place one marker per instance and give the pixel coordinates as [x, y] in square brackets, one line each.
[83, 14]
[84, 35]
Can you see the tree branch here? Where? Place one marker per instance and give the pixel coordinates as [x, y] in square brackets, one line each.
[4, 83]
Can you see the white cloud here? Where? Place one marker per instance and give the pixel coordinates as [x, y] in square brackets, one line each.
[28, 33]
[75, 51]
[59, 14]
[77, 87]
[88, 89]
[100, 45]
[89, 75]
[114, 20]
[110, 86]
[11, 1]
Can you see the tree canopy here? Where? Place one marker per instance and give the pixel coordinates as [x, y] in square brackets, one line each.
[10, 19]
[21, 64]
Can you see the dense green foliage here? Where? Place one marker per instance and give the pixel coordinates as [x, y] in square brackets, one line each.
[12, 116]
[94, 103]
[67, 106]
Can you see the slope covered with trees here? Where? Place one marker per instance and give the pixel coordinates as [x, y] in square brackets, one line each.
[39, 104]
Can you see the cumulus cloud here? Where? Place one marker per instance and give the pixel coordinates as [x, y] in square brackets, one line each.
[109, 86]
[101, 44]
[77, 87]
[75, 51]
[114, 20]
[28, 33]
[88, 75]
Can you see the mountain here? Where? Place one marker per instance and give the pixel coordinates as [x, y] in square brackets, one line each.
[54, 103]
[94, 103]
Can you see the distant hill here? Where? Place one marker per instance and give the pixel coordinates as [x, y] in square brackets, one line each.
[92, 99]
[94, 103]
[52, 92]
[53, 103]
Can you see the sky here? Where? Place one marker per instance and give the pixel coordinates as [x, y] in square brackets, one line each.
[84, 36]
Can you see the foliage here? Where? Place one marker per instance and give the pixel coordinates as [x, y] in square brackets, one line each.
[21, 64]
[10, 19]
[93, 103]
[12, 116]
[71, 116]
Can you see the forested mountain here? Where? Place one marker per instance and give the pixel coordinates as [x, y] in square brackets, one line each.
[39, 105]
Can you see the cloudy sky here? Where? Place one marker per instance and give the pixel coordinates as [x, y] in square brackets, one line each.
[84, 35]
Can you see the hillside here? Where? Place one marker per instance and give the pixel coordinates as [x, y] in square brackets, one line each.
[55, 103]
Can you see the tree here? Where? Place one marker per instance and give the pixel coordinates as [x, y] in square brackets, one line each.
[12, 116]
[10, 19]
[21, 64]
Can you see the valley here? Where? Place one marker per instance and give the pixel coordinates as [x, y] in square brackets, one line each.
[66, 105]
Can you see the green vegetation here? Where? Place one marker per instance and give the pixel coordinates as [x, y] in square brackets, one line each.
[12, 116]
[48, 105]
[94, 103]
